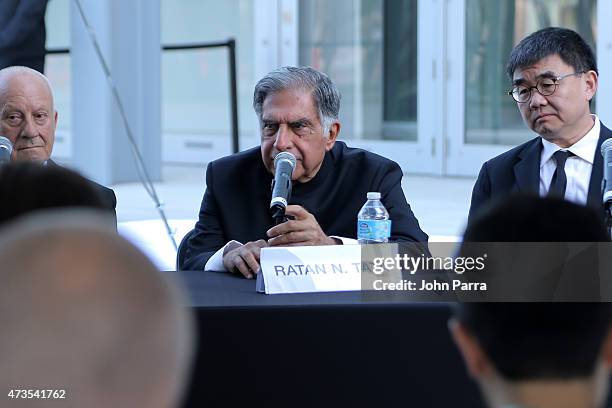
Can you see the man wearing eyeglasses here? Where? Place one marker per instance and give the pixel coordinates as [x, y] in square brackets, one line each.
[554, 78]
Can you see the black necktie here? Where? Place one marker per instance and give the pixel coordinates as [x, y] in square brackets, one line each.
[559, 179]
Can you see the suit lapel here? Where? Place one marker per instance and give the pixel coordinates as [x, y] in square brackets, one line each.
[527, 170]
[594, 198]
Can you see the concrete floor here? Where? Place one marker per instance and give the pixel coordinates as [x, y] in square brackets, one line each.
[440, 203]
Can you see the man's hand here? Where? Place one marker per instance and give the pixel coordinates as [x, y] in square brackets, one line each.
[244, 259]
[302, 230]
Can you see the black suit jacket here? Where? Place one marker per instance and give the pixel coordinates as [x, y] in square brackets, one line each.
[22, 33]
[109, 198]
[237, 197]
[518, 170]
[106, 194]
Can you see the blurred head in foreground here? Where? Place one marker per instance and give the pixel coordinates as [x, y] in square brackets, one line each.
[540, 249]
[537, 354]
[26, 187]
[82, 310]
[530, 218]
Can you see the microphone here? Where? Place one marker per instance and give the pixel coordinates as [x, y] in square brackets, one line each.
[6, 149]
[284, 164]
[606, 152]
[606, 183]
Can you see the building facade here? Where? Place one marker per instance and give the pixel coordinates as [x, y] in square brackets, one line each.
[422, 81]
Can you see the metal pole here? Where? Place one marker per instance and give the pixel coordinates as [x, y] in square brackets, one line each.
[608, 218]
[143, 174]
[233, 94]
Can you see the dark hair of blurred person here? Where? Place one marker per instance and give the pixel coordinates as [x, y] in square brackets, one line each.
[530, 218]
[537, 354]
[26, 187]
[539, 249]
[87, 313]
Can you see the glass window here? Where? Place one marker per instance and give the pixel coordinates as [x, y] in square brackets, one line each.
[493, 28]
[57, 66]
[400, 62]
[195, 83]
[369, 49]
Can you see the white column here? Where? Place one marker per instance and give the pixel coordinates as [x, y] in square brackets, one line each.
[128, 32]
[289, 35]
[266, 22]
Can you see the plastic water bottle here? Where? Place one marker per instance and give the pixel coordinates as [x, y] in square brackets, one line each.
[373, 223]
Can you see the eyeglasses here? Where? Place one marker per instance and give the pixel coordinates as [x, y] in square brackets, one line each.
[545, 86]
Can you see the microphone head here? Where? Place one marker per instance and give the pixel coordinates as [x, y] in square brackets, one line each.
[605, 146]
[6, 144]
[285, 156]
[6, 149]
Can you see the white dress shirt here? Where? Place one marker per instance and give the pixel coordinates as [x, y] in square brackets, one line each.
[578, 168]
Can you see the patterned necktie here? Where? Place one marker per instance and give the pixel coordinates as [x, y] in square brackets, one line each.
[559, 179]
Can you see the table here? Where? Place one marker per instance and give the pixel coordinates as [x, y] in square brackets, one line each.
[319, 350]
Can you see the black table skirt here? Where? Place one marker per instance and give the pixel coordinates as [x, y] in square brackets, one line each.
[320, 350]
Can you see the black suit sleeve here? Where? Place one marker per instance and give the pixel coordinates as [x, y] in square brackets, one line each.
[404, 225]
[28, 16]
[208, 236]
[111, 201]
[481, 193]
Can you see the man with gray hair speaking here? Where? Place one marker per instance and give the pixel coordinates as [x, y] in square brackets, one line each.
[298, 111]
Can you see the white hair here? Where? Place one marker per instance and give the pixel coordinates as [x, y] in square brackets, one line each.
[8, 73]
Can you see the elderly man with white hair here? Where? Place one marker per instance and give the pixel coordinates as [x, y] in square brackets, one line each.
[28, 119]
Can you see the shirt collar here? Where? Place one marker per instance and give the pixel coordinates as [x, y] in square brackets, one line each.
[584, 148]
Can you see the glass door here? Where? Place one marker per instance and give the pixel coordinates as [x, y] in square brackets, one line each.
[383, 56]
[57, 69]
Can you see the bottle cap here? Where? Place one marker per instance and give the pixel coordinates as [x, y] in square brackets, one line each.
[373, 196]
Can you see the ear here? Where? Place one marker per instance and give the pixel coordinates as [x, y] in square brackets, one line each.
[332, 134]
[55, 118]
[591, 83]
[476, 361]
[606, 349]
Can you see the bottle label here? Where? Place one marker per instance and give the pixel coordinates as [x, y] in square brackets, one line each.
[373, 230]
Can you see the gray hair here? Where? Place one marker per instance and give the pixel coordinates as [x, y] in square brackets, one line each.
[324, 92]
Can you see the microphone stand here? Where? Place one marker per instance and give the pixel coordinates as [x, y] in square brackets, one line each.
[278, 214]
[608, 218]
[143, 174]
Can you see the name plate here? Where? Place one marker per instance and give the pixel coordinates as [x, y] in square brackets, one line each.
[331, 268]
